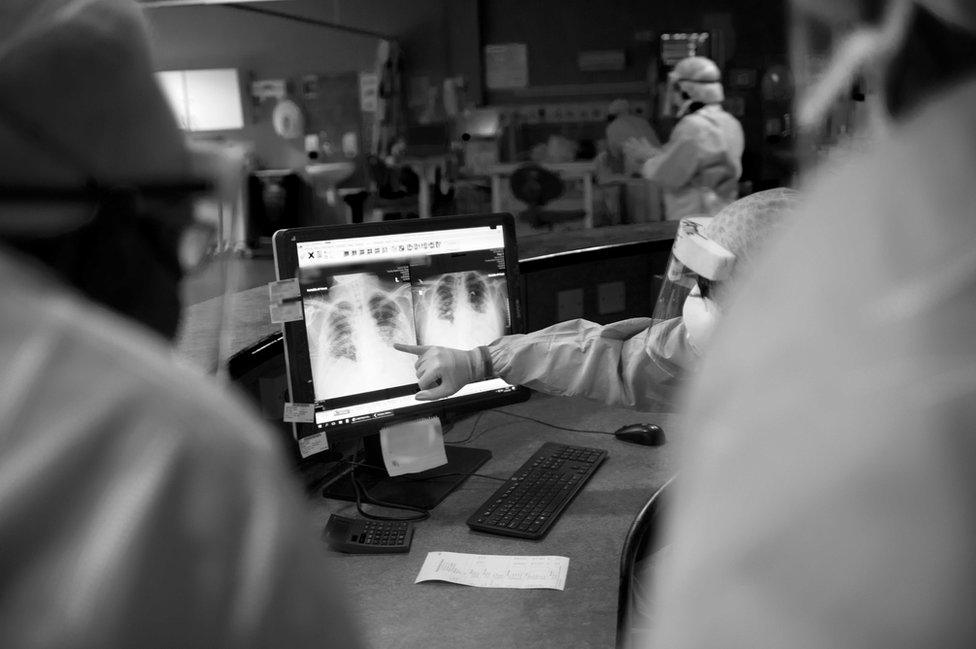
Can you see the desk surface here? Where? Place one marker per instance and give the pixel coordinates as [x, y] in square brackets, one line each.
[397, 613]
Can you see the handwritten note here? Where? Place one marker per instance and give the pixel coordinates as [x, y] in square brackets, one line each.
[495, 571]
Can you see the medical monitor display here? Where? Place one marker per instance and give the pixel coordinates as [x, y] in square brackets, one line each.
[440, 282]
[352, 319]
[676, 46]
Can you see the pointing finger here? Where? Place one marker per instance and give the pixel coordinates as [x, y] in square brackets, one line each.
[439, 392]
[410, 349]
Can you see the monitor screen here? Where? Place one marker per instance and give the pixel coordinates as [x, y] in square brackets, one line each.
[679, 45]
[450, 281]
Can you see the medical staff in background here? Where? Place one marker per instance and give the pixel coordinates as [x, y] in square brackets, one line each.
[622, 126]
[699, 167]
[827, 496]
[141, 505]
[639, 362]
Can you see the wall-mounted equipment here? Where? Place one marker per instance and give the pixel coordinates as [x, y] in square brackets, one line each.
[286, 117]
[204, 100]
[679, 45]
[480, 131]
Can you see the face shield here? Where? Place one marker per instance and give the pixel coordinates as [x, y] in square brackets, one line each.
[694, 282]
[695, 79]
[140, 247]
[212, 330]
[98, 183]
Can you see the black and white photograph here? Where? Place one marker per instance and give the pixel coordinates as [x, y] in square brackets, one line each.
[488, 324]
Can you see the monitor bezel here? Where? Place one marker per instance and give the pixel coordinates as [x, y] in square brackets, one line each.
[297, 362]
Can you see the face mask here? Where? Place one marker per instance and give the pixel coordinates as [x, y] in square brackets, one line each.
[700, 315]
[124, 262]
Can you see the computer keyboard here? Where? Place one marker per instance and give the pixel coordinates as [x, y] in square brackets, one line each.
[531, 501]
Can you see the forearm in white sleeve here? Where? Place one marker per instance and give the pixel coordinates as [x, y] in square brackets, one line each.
[582, 358]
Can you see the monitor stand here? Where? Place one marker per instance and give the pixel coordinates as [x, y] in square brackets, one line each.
[424, 490]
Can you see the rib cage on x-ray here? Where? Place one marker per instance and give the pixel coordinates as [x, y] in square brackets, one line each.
[461, 310]
[351, 332]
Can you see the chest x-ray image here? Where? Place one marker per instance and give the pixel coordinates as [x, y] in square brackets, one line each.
[355, 313]
[352, 325]
[461, 310]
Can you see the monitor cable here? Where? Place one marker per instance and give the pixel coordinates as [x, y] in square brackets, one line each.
[439, 475]
[363, 497]
[549, 424]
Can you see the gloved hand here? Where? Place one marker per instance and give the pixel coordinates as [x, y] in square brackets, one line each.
[442, 371]
[639, 151]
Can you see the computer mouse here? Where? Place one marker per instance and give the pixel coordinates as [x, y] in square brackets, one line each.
[644, 434]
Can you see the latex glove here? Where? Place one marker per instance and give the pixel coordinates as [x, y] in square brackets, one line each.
[639, 151]
[442, 371]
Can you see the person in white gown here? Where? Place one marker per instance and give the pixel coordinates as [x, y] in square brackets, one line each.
[141, 505]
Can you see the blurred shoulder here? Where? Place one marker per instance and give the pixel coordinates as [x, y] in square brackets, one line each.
[62, 349]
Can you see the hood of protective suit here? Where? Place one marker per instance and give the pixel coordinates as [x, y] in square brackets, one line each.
[832, 419]
[956, 12]
[700, 79]
[79, 99]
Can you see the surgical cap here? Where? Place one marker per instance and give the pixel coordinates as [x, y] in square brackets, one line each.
[744, 226]
[78, 98]
[700, 78]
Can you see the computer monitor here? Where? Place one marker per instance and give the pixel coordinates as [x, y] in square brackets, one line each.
[448, 281]
[676, 46]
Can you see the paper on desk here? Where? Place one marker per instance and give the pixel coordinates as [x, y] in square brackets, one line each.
[495, 570]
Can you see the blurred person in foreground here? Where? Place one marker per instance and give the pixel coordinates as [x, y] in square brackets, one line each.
[640, 362]
[827, 496]
[140, 505]
[700, 165]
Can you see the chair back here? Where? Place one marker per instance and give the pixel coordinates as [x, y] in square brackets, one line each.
[535, 185]
[642, 539]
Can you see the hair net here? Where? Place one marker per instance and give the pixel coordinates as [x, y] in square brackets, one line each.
[78, 99]
[743, 227]
[720, 250]
[700, 79]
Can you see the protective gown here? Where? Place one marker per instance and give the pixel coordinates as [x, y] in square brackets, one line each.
[140, 505]
[632, 363]
[699, 167]
[827, 496]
